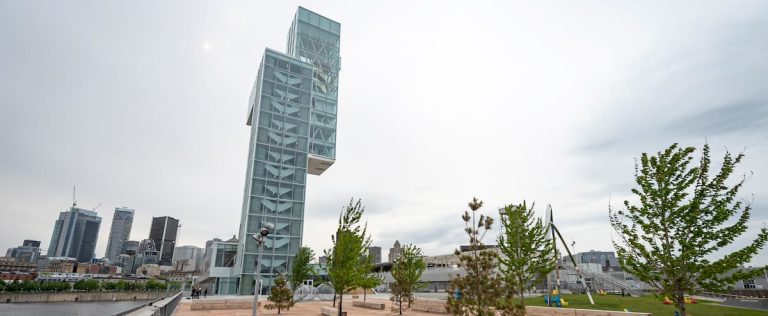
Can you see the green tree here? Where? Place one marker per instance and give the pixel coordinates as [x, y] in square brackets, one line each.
[154, 285]
[29, 286]
[14, 286]
[55, 286]
[350, 244]
[174, 285]
[476, 293]
[301, 269]
[407, 272]
[527, 255]
[87, 285]
[281, 297]
[370, 280]
[121, 285]
[684, 216]
[108, 286]
[2, 285]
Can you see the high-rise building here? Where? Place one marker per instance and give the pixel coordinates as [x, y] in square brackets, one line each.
[131, 246]
[395, 251]
[31, 243]
[375, 254]
[292, 114]
[119, 232]
[29, 251]
[187, 258]
[163, 233]
[75, 234]
[147, 253]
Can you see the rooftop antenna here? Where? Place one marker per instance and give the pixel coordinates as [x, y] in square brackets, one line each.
[74, 194]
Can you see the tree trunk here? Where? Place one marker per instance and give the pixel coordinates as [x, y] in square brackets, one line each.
[681, 303]
[365, 291]
[400, 300]
[341, 297]
[334, 299]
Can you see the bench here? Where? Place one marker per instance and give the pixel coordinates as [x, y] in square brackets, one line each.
[555, 311]
[369, 305]
[330, 311]
[221, 304]
[429, 306]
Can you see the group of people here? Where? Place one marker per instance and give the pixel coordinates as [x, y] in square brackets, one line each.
[197, 291]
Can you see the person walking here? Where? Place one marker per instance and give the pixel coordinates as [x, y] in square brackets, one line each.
[205, 292]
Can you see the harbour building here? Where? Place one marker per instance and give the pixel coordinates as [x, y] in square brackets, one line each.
[292, 113]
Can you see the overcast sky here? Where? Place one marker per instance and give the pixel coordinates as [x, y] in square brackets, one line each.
[143, 104]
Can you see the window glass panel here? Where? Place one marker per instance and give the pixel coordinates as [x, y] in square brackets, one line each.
[257, 187]
[261, 152]
[260, 170]
[283, 227]
[264, 118]
[249, 262]
[296, 229]
[297, 210]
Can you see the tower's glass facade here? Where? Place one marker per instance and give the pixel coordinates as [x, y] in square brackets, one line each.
[122, 221]
[292, 114]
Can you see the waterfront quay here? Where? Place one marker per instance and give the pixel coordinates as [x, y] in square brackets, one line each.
[9, 297]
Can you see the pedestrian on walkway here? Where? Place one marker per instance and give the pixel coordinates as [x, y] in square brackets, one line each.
[205, 292]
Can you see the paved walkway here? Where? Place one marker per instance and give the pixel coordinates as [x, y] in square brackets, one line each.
[301, 308]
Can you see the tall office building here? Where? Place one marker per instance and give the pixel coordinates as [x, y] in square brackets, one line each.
[395, 251]
[187, 258]
[292, 114]
[131, 246]
[163, 233]
[119, 232]
[75, 234]
[375, 254]
[29, 251]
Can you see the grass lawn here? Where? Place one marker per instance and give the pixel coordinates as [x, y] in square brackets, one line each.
[647, 304]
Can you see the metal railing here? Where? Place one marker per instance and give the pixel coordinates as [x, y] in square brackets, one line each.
[161, 307]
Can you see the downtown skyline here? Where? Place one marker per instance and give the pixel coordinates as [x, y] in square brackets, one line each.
[439, 103]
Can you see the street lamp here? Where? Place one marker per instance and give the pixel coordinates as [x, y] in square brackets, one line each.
[260, 240]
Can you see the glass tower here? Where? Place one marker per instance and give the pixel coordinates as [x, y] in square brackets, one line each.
[75, 234]
[119, 232]
[163, 233]
[292, 114]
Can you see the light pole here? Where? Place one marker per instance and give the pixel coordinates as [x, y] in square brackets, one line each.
[260, 240]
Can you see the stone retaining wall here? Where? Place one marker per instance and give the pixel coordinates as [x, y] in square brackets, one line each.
[439, 307]
[6, 297]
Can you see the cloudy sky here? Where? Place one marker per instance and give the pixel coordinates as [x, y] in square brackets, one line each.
[143, 104]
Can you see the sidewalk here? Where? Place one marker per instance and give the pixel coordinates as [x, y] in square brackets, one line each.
[301, 308]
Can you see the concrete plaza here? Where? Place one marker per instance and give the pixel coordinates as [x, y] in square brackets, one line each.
[301, 308]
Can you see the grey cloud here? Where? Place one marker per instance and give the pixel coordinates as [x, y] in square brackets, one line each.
[746, 117]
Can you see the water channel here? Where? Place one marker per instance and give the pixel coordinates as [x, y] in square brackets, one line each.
[67, 308]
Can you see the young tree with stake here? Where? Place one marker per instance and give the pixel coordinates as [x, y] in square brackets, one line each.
[477, 292]
[407, 272]
[301, 269]
[527, 254]
[350, 243]
[683, 217]
[280, 297]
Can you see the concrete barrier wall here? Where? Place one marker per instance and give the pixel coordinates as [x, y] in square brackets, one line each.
[78, 296]
[438, 307]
